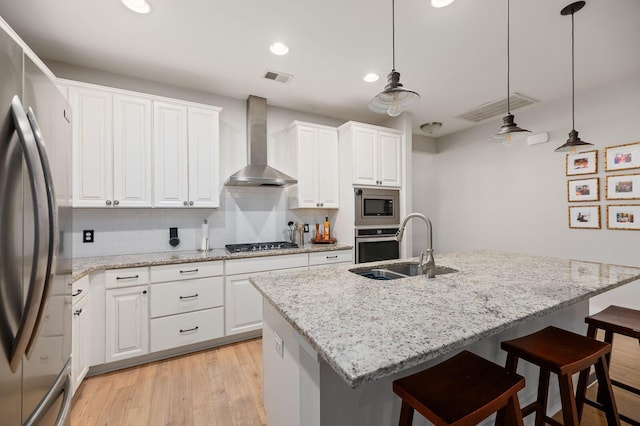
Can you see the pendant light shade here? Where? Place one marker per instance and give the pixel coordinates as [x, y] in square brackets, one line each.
[574, 143]
[394, 99]
[509, 131]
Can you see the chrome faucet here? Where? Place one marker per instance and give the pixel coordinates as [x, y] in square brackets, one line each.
[427, 263]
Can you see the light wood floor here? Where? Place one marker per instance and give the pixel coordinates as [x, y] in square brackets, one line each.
[223, 386]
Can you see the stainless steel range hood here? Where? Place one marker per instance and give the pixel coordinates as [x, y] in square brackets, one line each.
[257, 172]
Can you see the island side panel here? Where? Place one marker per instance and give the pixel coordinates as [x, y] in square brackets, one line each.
[301, 389]
[291, 390]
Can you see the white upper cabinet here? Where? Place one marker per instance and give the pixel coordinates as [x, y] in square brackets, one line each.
[111, 149]
[313, 160]
[186, 159]
[377, 154]
[137, 150]
[131, 151]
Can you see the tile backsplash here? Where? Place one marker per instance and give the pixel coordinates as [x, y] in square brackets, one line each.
[245, 215]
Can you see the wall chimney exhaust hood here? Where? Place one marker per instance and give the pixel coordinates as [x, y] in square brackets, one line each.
[257, 172]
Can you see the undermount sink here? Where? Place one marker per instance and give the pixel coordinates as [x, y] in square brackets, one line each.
[396, 271]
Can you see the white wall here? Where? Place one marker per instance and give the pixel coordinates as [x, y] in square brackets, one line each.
[245, 214]
[481, 195]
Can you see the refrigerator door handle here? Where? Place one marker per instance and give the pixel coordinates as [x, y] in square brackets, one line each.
[37, 276]
[61, 385]
[52, 218]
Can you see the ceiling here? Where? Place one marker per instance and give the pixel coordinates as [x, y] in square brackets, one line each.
[454, 57]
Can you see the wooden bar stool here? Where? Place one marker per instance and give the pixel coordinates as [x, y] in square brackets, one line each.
[618, 320]
[462, 390]
[564, 353]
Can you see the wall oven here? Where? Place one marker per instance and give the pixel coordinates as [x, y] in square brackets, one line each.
[374, 244]
[377, 207]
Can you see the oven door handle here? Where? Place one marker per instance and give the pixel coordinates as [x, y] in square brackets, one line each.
[375, 239]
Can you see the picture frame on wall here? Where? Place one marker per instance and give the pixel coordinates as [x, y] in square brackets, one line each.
[623, 187]
[622, 157]
[623, 217]
[583, 189]
[584, 217]
[582, 163]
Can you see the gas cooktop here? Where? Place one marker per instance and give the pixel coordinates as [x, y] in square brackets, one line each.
[277, 245]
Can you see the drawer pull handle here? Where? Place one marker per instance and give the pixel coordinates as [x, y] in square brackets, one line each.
[332, 257]
[189, 329]
[77, 312]
[189, 297]
[189, 271]
[132, 277]
[77, 293]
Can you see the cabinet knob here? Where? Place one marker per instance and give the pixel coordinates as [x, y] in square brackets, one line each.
[190, 203]
[116, 202]
[108, 202]
[321, 204]
[144, 292]
[185, 203]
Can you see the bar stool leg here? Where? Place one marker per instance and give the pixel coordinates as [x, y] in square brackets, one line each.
[543, 396]
[569, 408]
[510, 414]
[608, 337]
[583, 380]
[604, 383]
[406, 415]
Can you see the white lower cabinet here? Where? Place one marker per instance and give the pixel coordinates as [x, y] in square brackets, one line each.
[187, 304]
[243, 303]
[127, 322]
[80, 332]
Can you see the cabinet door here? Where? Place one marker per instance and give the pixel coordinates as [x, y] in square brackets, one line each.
[131, 151]
[365, 156]
[171, 186]
[204, 158]
[243, 305]
[92, 147]
[390, 146]
[309, 156]
[80, 341]
[327, 177]
[127, 323]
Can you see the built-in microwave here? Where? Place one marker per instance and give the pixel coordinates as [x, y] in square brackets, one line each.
[377, 207]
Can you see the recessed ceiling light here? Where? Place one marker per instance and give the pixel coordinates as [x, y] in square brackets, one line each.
[138, 6]
[279, 49]
[441, 3]
[371, 77]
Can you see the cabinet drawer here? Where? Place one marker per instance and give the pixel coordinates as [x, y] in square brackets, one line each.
[126, 277]
[185, 329]
[80, 288]
[266, 263]
[164, 273]
[186, 296]
[328, 257]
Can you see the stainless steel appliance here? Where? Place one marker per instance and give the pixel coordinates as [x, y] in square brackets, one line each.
[377, 207]
[276, 245]
[35, 271]
[374, 244]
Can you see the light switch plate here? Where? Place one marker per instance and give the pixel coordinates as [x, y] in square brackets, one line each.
[279, 344]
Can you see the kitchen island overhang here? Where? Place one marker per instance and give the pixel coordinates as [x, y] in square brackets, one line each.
[369, 332]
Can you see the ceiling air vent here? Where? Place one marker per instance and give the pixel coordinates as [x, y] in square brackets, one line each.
[497, 108]
[277, 76]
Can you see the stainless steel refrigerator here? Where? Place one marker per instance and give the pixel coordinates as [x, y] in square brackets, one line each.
[35, 217]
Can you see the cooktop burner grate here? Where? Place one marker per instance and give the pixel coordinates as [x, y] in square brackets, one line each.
[276, 245]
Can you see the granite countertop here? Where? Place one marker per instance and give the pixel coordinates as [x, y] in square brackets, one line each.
[367, 329]
[84, 265]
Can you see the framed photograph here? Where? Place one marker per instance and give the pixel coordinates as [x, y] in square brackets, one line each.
[584, 189]
[622, 157]
[583, 163]
[623, 187]
[623, 216]
[584, 217]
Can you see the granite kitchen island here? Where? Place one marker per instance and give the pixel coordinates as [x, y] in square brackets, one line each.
[345, 337]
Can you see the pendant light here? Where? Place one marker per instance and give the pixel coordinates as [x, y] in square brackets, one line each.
[394, 99]
[574, 143]
[509, 131]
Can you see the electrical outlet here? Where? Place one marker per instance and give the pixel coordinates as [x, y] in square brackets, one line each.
[306, 228]
[87, 236]
[279, 344]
